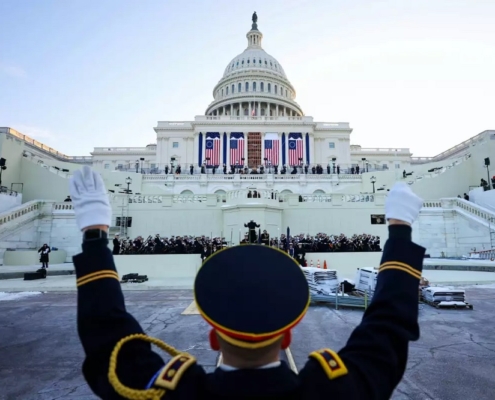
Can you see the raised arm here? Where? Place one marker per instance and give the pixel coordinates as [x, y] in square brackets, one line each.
[374, 360]
[102, 319]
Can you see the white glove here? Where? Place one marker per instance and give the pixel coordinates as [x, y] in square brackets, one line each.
[90, 199]
[402, 204]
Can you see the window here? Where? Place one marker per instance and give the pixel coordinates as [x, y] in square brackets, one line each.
[175, 145]
[286, 93]
[247, 86]
[254, 86]
[239, 87]
[331, 145]
[397, 166]
[152, 166]
[227, 90]
[385, 166]
[269, 88]
[222, 92]
[275, 89]
[233, 87]
[120, 166]
[107, 166]
[262, 87]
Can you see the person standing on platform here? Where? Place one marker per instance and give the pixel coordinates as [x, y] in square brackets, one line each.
[44, 258]
[252, 230]
[120, 363]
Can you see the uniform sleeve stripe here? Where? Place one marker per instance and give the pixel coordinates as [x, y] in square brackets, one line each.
[410, 271]
[401, 264]
[95, 276]
[105, 271]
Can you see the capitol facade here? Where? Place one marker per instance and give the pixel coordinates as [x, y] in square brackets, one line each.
[253, 121]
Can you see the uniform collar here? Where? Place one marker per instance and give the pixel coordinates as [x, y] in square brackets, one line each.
[274, 364]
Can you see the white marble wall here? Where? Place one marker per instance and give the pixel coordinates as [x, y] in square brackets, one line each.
[448, 233]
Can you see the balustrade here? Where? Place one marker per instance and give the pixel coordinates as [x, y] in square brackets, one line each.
[358, 198]
[32, 208]
[66, 206]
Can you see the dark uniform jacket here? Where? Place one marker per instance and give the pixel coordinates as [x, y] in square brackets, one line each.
[369, 366]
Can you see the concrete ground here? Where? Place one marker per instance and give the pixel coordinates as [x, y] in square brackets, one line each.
[41, 355]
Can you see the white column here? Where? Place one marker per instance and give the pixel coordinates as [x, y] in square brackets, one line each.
[249, 109]
[166, 157]
[312, 153]
[276, 110]
[263, 148]
[245, 148]
[228, 152]
[259, 108]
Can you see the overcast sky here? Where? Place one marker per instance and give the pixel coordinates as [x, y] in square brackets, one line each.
[78, 74]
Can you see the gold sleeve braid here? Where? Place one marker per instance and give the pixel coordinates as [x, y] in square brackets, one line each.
[137, 394]
[107, 273]
[400, 267]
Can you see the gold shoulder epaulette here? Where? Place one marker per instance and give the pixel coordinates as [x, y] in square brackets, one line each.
[170, 374]
[331, 362]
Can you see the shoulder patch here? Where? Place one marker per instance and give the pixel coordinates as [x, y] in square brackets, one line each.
[331, 362]
[170, 374]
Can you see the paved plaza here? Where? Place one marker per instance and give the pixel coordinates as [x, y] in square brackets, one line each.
[41, 355]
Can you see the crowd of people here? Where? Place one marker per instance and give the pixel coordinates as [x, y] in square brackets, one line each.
[205, 246]
[316, 169]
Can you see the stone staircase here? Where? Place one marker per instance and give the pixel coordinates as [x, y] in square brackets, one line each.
[30, 225]
[454, 227]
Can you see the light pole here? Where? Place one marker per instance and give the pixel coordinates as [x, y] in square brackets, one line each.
[128, 181]
[373, 180]
[363, 160]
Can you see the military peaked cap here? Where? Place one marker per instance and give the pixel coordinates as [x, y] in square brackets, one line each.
[251, 294]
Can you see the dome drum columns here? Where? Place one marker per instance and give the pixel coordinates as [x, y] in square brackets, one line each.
[254, 109]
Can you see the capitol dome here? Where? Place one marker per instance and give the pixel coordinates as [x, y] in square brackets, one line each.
[254, 84]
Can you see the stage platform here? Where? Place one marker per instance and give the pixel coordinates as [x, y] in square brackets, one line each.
[179, 271]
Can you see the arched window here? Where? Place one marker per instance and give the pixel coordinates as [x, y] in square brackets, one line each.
[239, 87]
[247, 86]
[233, 88]
[227, 90]
[269, 88]
[286, 93]
[222, 92]
[254, 86]
[262, 87]
[275, 89]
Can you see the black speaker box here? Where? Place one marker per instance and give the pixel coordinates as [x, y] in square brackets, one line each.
[31, 276]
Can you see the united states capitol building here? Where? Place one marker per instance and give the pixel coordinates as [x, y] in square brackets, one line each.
[200, 175]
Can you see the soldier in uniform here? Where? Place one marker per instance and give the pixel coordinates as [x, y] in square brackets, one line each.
[120, 363]
[265, 238]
